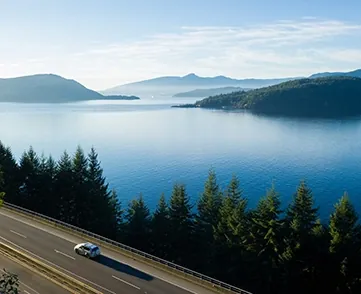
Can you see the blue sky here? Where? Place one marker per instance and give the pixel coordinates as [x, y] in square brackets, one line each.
[105, 43]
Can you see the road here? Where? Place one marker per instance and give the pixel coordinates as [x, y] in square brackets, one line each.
[112, 273]
[30, 283]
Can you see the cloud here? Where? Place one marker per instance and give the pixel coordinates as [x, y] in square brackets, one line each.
[283, 48]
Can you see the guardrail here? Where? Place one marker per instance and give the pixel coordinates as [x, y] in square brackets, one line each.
[56, 276]
[152, 260]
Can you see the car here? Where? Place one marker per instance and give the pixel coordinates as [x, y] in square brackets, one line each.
[88, 250]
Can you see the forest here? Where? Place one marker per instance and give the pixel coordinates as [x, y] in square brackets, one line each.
[334, 96]
[265, 249]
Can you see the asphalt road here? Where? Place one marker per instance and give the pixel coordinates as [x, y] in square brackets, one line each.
[30, 283]
[112, 273]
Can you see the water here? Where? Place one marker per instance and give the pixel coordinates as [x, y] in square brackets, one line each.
[146, 146]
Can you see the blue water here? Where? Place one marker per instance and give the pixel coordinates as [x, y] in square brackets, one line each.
[146, 146]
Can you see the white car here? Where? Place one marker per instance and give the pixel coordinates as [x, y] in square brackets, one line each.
[87, 249]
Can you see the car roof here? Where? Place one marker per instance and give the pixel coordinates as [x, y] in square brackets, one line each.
[90, 245]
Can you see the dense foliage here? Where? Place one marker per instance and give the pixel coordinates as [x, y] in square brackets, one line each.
[321, 97]
[9, 283]
[263, 250]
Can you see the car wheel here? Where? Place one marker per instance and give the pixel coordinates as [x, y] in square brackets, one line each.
[77, 251]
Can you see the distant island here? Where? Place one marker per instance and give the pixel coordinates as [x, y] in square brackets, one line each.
[49, 88]
[200, 93]
[334, 96]
[120, 97]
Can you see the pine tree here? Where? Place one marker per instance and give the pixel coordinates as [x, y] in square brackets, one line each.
[138, 224]
[207, 219]
[81, 190]
[116, 217]
[231, 234]
[49, 203]
[345, 246]
[267, 242]
[64, 190]
[301, 220]
[11, 176]
[30, 177]
[160, 229]
[210, 202]
[181, 234]
[99, 209]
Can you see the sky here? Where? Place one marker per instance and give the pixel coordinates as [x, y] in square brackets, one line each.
[105, 43]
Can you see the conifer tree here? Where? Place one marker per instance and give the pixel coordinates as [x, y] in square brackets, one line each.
[160, 229]
[81, 189]
[47, 200]
[64, 190]
[181, 234]
[207, 218]
[345, 246]
[11, 176]
[138, 224]
[100, 213]
[116, 217]
[267, 242]
[30, 177]
[301, 221]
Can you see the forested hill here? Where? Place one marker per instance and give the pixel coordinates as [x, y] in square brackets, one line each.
[320, 97]
[48, 88]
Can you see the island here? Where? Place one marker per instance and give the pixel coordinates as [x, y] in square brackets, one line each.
[120, 97]
[49, 88]
[336, 96]
[200, 93]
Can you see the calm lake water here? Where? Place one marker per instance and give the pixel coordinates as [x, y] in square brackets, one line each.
[146, 146]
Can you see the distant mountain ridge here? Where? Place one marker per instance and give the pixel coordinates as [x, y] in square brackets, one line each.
[355, 73]
[171, 85]
[47, 88]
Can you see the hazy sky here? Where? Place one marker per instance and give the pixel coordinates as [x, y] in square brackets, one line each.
[105, 43]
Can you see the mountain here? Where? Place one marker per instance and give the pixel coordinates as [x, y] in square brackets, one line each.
[168, 86]
[208, 92]
[356, 73]
[45, 88]
[317, 97]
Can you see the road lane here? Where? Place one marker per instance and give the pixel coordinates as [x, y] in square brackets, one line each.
[109, 275]
[30, 282]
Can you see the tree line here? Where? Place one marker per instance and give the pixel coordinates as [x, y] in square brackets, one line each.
[265, 249]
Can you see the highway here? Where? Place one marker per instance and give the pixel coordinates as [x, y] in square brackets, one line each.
[112, 273]
[30, 283]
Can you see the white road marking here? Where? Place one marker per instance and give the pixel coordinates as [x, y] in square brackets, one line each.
[16, 233]
[62, 253]
[70, 238]
[29, 288]
[125, 282]
[57, 266]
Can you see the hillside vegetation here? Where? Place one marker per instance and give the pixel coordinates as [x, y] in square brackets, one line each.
[48, 88]
[328, 96]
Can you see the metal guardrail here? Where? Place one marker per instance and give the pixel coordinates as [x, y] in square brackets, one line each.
[201, 277]
[48, 272]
